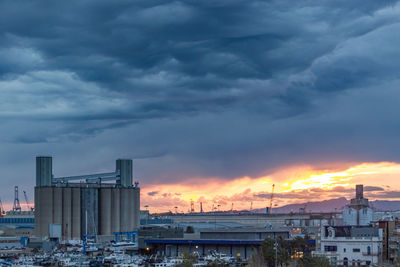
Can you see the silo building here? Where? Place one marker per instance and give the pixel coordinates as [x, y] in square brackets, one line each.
[93, 204]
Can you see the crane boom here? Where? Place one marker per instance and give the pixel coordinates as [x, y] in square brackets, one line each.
[269, 209]
[27, 202]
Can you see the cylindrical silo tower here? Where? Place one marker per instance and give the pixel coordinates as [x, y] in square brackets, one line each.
[44, 170]
[124, 166]
[135, 217]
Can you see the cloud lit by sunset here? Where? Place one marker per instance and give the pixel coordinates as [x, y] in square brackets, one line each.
[292, 185]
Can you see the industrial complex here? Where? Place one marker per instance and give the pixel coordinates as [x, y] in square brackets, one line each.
[70, 207]
[98, 216]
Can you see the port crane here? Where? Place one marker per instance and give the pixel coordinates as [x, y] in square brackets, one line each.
[269, 209]
[27, 201]
[17, 205]
[191, 206]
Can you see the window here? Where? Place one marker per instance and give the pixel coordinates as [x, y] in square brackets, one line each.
[330, 248]
[344, 250]
[356, 250]
[369, 250]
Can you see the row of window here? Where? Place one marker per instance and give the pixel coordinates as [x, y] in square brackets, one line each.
[334, 248]
[17, 220]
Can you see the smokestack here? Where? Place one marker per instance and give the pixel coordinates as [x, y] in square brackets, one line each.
[359, 191]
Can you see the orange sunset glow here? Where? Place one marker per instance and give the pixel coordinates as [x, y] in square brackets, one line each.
[292, 185]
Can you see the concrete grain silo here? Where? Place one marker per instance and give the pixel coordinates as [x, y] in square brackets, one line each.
[85, 204]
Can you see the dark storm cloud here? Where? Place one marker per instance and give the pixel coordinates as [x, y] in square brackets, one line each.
[209, 88]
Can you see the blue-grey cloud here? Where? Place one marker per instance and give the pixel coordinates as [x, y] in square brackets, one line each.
[197, 89]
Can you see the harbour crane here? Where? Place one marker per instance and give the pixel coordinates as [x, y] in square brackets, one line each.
[269, 209]
[27, 202]
[191, 206]
[17, 205]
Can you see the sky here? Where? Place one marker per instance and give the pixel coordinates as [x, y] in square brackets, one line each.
[214, 101]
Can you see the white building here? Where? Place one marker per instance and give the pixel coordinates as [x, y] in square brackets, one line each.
[351, 245]
[353, 216]
[358, 211]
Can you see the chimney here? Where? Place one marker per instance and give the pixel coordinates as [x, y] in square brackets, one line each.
[359, 191]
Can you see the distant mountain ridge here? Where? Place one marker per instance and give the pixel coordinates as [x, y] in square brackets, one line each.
[332, 205]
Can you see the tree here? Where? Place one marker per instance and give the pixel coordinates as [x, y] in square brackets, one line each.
[188, 260]
[308, 260]
[268, 251]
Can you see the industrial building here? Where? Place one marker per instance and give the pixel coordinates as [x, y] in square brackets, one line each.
[245, 241]
[358, 212]
[95, 204]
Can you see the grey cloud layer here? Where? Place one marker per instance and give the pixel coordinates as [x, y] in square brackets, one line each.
[226, 88]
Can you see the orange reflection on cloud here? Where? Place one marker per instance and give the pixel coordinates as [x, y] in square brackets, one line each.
[242, 191]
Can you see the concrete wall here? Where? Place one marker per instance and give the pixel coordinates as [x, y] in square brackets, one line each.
[89, 211]
[76, 213]
[125, 210]
[105, 211]
[136, 208]
[131, 202]
[115, 210]
[45, 211]
[67, 214]
[57, 205]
